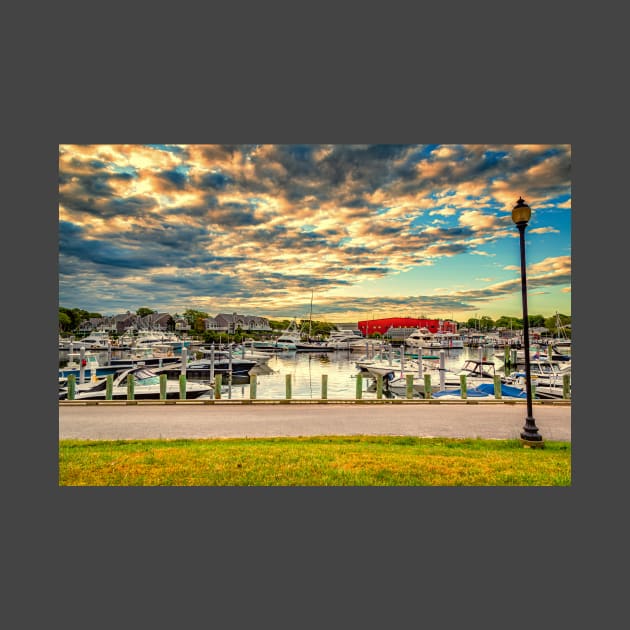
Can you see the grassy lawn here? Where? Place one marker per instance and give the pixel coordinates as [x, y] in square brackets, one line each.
[313, 461]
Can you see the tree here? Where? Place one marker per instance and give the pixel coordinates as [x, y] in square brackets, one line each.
[192, 316]
[65, 322]
[536, 321]
[473, 322]
[279, 325]
[144, 311]
[513, 323]
[321, 329]
[551, 323]
[76, 315]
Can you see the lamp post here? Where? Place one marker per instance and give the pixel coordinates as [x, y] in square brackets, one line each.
[521, 214]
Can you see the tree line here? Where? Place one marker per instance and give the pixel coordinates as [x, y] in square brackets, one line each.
[71, 318]
[486, 323]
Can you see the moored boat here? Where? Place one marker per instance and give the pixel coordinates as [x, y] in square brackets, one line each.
[146, 385]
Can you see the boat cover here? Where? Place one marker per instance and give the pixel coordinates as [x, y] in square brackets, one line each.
[483, 390]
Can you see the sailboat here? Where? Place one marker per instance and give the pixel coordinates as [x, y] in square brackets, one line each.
[562, 340]
[312, 346]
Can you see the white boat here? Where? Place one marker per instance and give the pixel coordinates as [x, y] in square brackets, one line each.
[147, 337]
[476, 372]
[365, 345]
[449, 340]
[392, 367]
[92, 367]
[247, 350]
[96, 340]
[66, 342]
[290, 337]
[422, 338]
[146, 386]
[558, 362]
[345, 339]
[547, 376]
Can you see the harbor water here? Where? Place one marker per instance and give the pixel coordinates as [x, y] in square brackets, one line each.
[306, 370]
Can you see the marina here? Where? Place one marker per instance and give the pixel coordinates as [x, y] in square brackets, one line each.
[246, 372]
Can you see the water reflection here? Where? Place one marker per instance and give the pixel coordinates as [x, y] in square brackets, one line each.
[306, 370]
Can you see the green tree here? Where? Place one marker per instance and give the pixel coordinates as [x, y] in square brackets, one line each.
[192, 316]
[509, 322]
[279, 324]
[551, 323]
[144, 311]
[536, 320]
[321, 330]
[473, 322]
[76, 315]
[65, 321]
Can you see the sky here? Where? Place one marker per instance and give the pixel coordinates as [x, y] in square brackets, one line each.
[336, 232]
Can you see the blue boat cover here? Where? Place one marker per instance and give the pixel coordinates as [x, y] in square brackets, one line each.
[484, 390]
[506, 390]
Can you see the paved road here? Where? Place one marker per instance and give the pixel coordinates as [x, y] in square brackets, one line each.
[144, 421]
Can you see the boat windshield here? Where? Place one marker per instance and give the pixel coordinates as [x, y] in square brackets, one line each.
[146, 377]
[544, 368]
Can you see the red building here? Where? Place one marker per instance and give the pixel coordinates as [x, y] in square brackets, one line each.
[381, 326]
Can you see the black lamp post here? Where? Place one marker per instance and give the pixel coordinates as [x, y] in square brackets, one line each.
[530, 436]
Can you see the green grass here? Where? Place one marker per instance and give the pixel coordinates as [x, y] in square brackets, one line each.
[314, 461]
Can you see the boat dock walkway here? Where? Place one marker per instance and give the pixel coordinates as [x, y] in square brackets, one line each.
[127, 420]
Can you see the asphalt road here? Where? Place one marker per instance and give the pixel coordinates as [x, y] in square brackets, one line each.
[146, 421]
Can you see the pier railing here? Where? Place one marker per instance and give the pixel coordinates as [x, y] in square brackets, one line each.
[220, 393]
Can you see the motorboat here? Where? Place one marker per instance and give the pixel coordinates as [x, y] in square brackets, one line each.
[345, 340]
[92, 367]
[483, 391]
[313, 346]
[270, 347]
[96, 340]
[547, 376]
[150, 356]
[290, 337]
[535, 354]
[422, 338]
[146, 385]
[204, 368]
[449, 340]
[245, 351]
[389, 368]
[476, 371]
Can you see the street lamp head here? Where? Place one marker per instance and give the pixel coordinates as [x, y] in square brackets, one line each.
[521, 212]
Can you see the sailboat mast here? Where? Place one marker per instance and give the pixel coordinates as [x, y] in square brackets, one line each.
[310, 318]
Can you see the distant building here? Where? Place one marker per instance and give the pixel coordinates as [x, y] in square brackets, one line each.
[154, 321]
[211, 323]
[398, 334]
[163, 321]
[382, 326]
[182, 325]
[224, 322]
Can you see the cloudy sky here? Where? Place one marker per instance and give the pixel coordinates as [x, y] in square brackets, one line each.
[367, 230]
